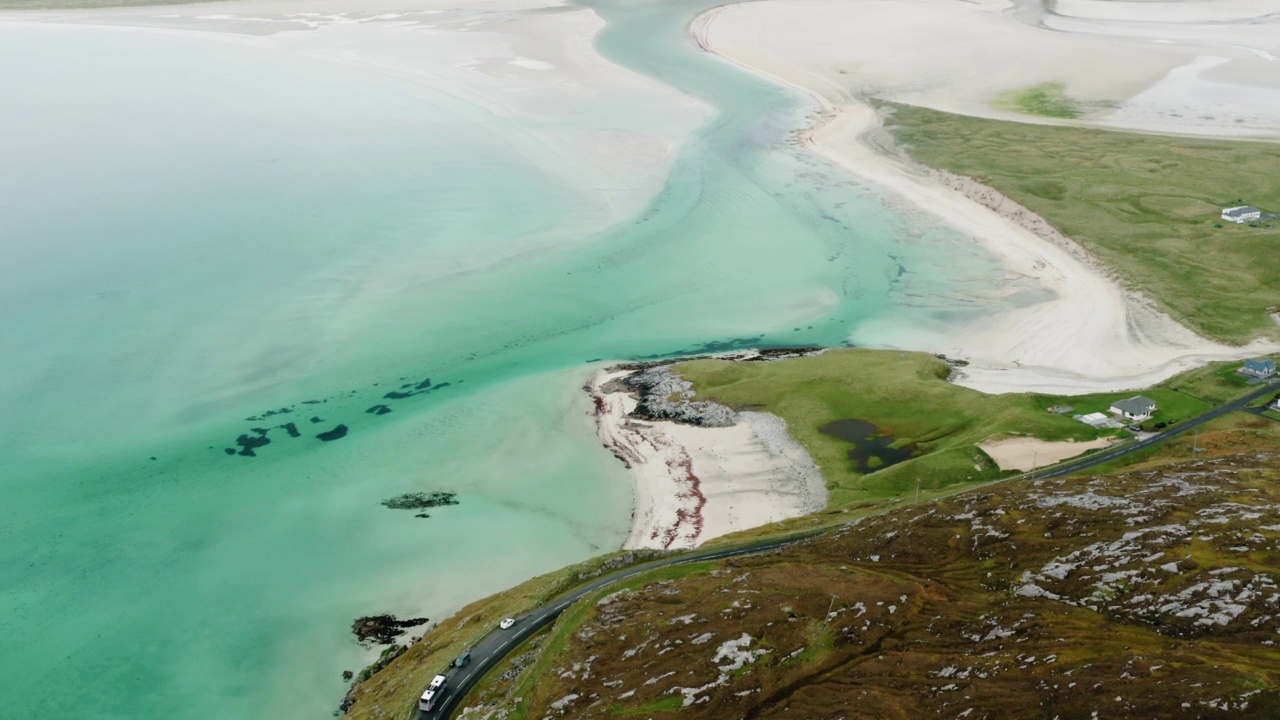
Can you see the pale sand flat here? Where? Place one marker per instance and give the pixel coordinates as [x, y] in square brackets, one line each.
[1027, 453]
[1091, 335]
[504, 59]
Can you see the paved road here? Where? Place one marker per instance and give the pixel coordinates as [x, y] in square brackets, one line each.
[1167, 434]
[493, 648]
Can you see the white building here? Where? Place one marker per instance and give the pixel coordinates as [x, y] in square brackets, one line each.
[1263, 369]
[1135, 409]
[1242, 214]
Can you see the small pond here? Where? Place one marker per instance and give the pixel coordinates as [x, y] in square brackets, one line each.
[872, 449]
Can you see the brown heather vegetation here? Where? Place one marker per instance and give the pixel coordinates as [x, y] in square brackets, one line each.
[1151, 593]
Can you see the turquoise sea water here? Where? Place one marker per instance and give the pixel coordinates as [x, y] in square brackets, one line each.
[196, 234]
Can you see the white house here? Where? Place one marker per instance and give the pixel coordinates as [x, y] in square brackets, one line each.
[1262, 369]
[1135, 409]
[1242, 214]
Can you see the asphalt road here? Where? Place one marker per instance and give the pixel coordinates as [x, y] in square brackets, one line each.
[1169, 433]
[494, 647]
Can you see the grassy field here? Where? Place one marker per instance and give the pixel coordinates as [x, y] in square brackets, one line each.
[1215, 382]
[1147, 206]
[905, 395]
[1172, 406]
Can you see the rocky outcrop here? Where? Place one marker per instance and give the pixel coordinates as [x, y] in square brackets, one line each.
[382, 629]
[663, 395]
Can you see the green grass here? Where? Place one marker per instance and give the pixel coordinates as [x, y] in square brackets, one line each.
[1147, 206]
[669, 704]
[1216, 383]
[1047, 99]
[1172, 406]
[903, 394]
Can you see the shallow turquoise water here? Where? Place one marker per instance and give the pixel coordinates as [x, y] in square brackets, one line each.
[196, 234]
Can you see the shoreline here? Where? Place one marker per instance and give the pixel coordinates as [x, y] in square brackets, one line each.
[691, 484]
[1092, 336]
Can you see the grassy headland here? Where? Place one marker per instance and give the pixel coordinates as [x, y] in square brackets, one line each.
[907, 397]
[1148, 206]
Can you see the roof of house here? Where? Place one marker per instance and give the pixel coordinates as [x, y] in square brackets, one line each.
[1139, 405]
[1242, 210]
[1263, 365]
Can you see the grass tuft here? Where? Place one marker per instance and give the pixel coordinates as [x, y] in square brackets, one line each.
[1047, 100]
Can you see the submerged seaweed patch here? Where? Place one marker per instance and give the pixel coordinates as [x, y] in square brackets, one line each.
[421, 501]
[710, 348]
[337, 433]
[409, 387]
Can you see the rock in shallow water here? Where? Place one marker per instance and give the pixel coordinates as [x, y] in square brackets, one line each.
[382, 629]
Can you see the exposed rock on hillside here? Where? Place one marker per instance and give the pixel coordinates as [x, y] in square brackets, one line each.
[1144, 595]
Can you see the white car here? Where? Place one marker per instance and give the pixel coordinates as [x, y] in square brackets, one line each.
[506, 624]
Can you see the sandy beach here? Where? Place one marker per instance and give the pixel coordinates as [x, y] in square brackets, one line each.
[1092, 335]
[693, 484]
[1027, 453]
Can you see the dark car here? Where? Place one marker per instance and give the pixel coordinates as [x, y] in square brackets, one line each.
[462, 659]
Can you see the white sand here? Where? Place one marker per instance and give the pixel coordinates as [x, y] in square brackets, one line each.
[1143, 65]
[1091, 335]
[1025, 453]
[608, 132]
[693, 484]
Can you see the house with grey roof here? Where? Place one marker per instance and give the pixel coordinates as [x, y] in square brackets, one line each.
[1135, 409]
[1262, 369]
[1242, 214]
